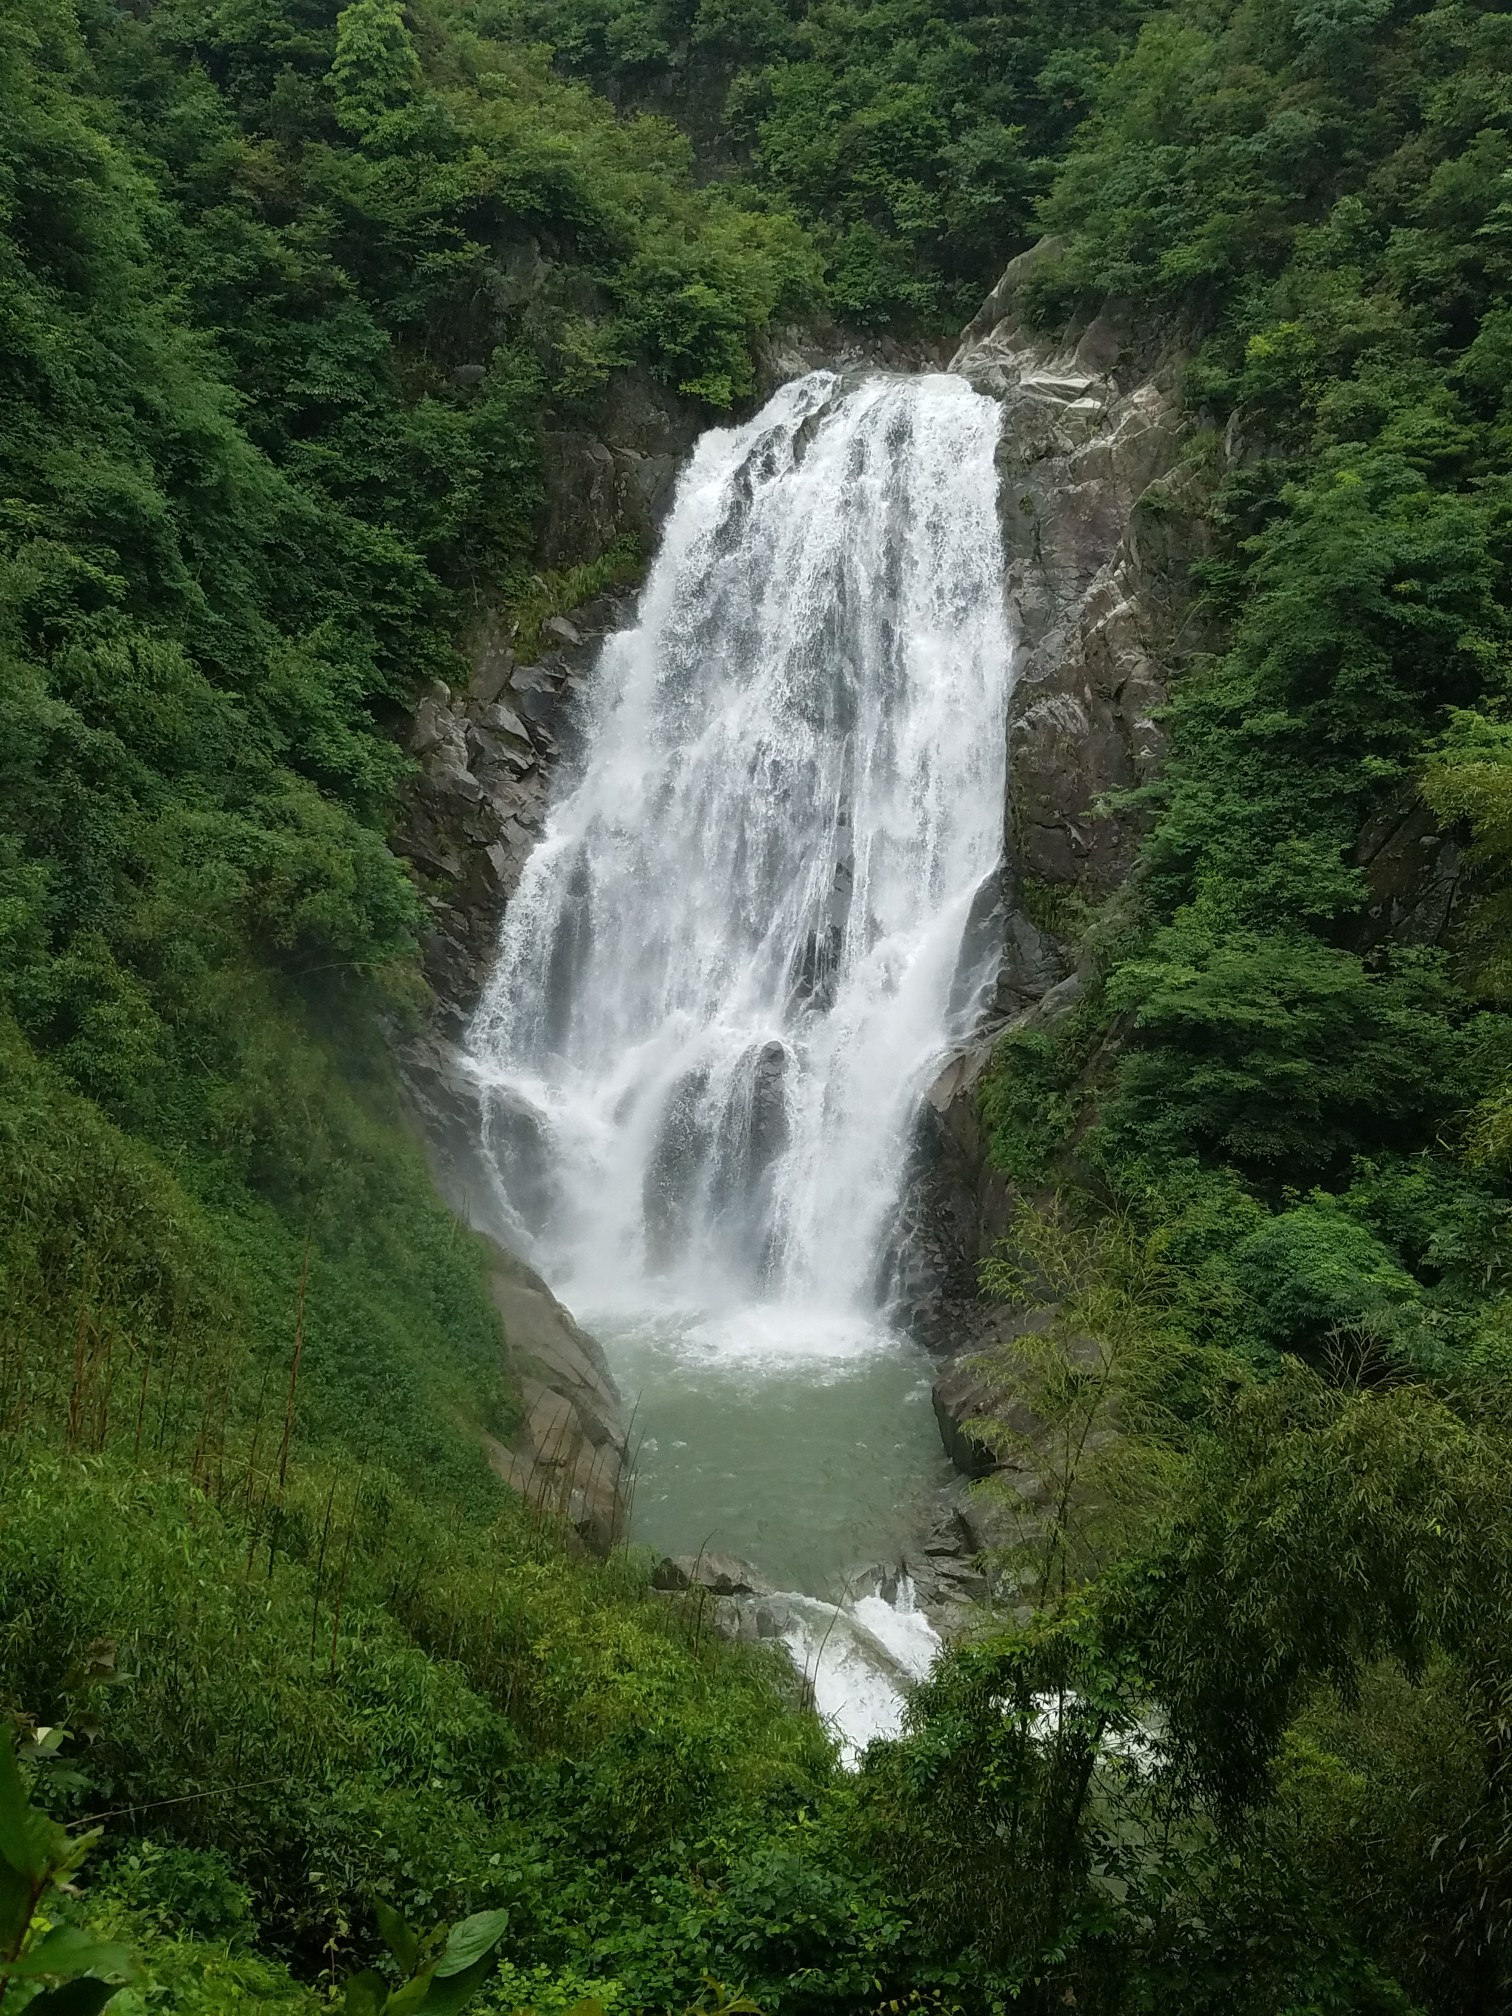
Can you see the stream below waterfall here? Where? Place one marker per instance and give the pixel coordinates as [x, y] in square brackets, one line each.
[760, 913]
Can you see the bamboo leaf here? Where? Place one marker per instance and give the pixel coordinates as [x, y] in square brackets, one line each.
[15, 1906]
[366, 1993]
[448, 1996]
[397, 1936]
[68, 1949]
[18, 1838]
[85, 1997]
[410, 1997]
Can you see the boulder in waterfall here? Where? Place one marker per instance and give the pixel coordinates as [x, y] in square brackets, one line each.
[769, 1116]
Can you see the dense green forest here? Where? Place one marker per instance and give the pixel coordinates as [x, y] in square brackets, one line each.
[913, 140]
[292, 299]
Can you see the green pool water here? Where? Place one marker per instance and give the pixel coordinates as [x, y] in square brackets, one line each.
[803, 1442]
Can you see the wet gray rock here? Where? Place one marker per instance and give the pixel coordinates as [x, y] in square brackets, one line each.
[718, 1574]
[486, 757]
[944, 1564]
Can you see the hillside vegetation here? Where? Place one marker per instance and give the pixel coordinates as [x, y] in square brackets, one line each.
[912, 137]
[292, 299]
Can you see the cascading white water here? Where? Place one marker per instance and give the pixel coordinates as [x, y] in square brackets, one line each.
[738, 948]
[746, 936]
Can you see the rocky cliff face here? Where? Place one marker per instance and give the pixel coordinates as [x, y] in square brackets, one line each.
[473, 809]
[1098, 528]
[1086, 438]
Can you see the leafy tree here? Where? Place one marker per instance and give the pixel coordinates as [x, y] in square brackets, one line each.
[375, 71]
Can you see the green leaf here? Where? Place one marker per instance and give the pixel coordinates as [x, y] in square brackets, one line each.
[414, 1992]
[18, 1841]
[448, 1996]
[366, 1993]
[15, 1906]
[68, 1949]
[397, 1936]
[467, 1942]
[84, 1997]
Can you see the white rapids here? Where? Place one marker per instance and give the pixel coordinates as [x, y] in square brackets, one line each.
[858, 1658]
[755, 919]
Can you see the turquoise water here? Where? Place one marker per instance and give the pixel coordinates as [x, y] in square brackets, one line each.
[803, 1442]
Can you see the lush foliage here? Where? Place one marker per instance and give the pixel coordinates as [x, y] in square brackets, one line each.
[1309, 1076]
[289, 297]
[1287, 1073]
[292, 299]
[914, 137]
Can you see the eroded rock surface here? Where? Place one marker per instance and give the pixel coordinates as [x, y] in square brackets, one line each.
[569, 1456]
[474, 809]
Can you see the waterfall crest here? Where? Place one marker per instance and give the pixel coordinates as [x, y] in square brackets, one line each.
[745, 937]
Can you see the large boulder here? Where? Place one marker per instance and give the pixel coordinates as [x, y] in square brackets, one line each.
[718, 1574]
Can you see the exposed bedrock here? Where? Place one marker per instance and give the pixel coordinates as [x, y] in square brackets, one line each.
[473, 810]
[1099, 527]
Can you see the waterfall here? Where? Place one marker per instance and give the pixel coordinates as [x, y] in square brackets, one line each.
[759, 913]
[744, 939]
